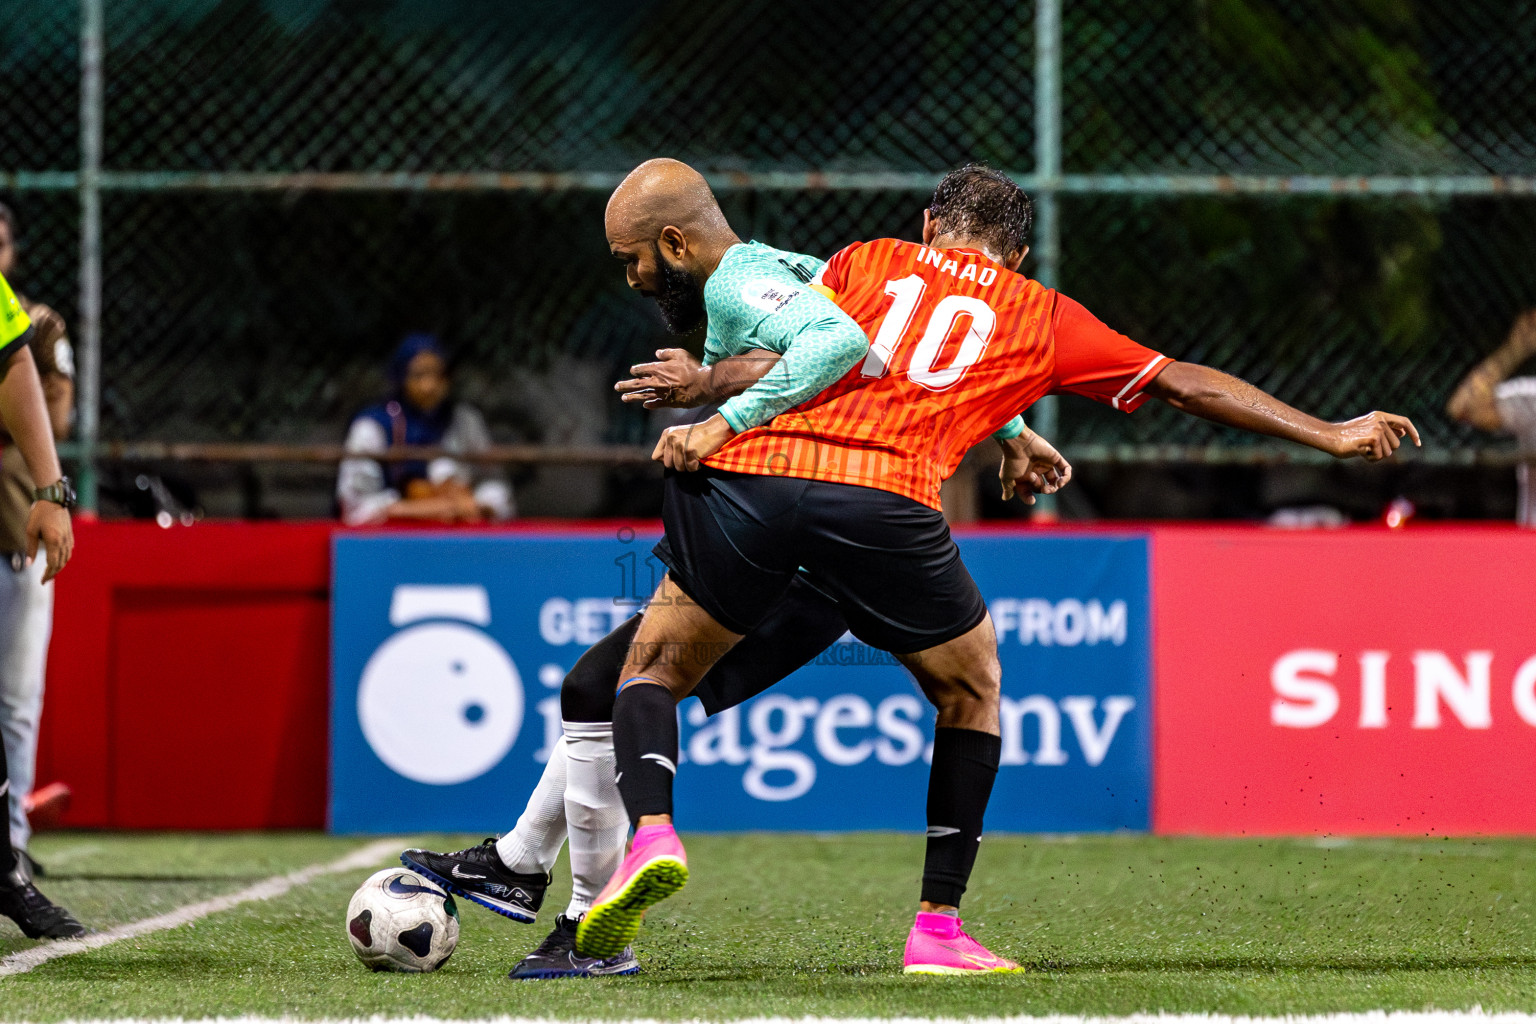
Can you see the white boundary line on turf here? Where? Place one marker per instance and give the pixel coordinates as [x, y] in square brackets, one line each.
[1476, 1015]
[363, 857]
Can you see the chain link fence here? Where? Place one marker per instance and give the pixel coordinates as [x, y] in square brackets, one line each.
[1334, 198]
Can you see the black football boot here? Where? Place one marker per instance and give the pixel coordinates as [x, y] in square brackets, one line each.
[479, 875]
[556, 957]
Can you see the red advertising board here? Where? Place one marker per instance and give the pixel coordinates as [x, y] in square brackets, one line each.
[1361, 681]
[187, 676]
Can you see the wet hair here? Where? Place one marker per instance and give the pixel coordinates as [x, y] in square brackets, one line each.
[983, 205]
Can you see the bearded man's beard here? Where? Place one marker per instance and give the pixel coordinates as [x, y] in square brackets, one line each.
[679, 298]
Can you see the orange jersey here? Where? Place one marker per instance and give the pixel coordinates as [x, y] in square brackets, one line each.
[959, 345]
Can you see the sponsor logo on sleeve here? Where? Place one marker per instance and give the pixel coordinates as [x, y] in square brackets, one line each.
[768, 296]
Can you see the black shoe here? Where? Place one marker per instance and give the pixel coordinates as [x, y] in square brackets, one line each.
[479, 875]
[36, 915]
[557, 958]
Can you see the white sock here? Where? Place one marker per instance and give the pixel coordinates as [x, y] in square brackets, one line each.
[533, 846]
[594, 812]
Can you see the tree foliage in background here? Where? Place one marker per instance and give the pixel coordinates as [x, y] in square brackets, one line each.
[265, 316]
[1279, 290]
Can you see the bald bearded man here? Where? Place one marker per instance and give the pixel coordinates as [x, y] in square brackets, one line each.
[665, 225]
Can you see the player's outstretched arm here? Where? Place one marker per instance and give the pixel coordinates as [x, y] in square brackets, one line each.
[1031, 465]
[677, 380]
[1223, 398]
[25, 413]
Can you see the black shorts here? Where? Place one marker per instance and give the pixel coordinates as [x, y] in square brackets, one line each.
[799, 626]
[735, 541]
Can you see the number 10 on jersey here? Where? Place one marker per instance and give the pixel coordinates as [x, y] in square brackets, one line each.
[908, 295]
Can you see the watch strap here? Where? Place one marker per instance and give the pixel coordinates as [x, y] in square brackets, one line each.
[60, 493]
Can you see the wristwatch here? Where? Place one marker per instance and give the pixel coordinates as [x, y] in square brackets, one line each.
[61, 493]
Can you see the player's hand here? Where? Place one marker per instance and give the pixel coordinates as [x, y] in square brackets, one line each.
[681, 448]
[1373, 437]
[1031, 465]
[48, 525]
[675, 381]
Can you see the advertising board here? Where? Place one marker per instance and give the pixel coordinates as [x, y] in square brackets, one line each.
[1359, 682]
[448, 653]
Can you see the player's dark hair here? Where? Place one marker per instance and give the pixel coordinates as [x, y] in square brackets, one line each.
[985, 205]
[8, 218]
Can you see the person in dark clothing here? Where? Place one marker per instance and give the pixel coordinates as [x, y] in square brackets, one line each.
[419, 412]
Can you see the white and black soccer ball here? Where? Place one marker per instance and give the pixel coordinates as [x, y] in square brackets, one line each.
[399, 921]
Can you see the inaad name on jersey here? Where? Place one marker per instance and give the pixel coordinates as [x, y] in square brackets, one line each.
[982, 275]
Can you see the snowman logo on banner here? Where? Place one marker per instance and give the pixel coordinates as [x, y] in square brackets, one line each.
[440, 702]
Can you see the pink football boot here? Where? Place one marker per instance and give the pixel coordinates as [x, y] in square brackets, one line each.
[656, 868]
[937, 945]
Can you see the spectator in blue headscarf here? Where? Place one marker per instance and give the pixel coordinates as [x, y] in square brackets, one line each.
[419, 411]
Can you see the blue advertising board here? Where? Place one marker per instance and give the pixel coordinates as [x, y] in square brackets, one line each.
[448, 652]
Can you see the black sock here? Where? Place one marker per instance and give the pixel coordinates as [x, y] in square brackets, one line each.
[959, 786]
[586, 694]
[7, 855]
[645, 748]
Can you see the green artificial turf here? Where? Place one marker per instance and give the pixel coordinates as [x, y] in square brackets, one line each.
[111, 879]
[775, 925]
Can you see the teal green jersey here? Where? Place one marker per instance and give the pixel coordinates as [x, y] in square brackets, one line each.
[760, 297]
[749, 286]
